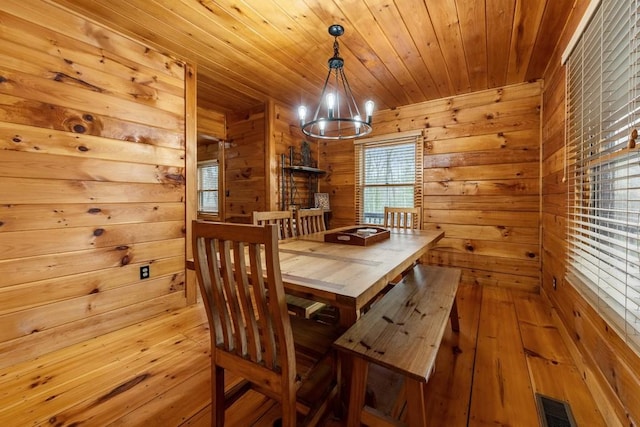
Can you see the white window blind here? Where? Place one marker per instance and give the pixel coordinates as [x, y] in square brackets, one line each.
[208, 187]
[388, 173]
[604, 196]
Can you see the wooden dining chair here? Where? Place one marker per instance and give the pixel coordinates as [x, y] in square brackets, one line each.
[284, 220]
[406, 218]
[310, 221]
[402, 218]
[288, 359]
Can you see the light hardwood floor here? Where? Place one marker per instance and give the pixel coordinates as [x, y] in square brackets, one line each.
[156, 373]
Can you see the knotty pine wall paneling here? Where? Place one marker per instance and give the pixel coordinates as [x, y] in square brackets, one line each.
[337, 158]
[286, 133]
[212, 123]
[256, 139]
[481, 180]
[92, 166]
[245, 172]
[610, 368]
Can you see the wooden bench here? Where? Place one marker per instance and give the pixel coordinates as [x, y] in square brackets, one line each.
[402, 332]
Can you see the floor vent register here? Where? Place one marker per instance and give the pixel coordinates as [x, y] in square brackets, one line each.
[554, 413]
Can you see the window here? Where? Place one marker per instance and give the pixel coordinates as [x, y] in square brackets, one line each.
[604, 194]
[388, 173]
[208, 187]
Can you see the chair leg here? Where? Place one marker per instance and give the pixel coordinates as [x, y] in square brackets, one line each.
[289, 410]
[217, 396]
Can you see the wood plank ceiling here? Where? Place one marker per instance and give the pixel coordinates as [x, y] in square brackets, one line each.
[396, 52]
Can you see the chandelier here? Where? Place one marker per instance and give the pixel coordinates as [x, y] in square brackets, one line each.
[340, 119]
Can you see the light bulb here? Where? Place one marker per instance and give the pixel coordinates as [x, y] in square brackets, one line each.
[331, 101]
[357, 124]
[302, 114]
[321, 126]
[368, 108]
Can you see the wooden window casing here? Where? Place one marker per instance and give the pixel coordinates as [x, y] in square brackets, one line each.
[208, 194]
[603, 243]
[388, 173]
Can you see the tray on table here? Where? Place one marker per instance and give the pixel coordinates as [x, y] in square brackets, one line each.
[360, 236]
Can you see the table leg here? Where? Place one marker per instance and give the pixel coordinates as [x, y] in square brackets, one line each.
[416, 408]
[348, 316]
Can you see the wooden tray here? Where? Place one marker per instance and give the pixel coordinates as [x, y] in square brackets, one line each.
[352, 236]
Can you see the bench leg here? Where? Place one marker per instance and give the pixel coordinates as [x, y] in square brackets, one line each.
[416, 408]
[358, 387]
[455, 322]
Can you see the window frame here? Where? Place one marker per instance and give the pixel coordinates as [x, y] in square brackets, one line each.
[360, 146]
[206, 164]
[603, 205]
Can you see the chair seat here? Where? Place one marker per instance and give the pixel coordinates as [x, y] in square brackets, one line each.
[315, 366]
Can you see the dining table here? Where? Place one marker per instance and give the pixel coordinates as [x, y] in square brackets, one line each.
[349, 276]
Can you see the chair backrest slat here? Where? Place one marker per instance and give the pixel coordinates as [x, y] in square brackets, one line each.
[237, 267]
[228, 251]
[310, 221]
[283, 219]
[402, 218]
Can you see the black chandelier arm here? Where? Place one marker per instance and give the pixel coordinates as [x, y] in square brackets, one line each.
[358, 128]
[334, 125]
[338, 72]
[322, 95]
[348, 93]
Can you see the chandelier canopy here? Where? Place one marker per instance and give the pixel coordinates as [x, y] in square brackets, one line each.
[340, 118]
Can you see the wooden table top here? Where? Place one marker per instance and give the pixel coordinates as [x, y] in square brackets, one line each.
[349, 276]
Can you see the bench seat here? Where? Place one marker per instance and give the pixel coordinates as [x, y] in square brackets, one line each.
[402, 332]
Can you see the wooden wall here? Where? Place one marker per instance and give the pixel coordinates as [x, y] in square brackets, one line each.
[211, 123]
[211, 144]
[256, 141]
[245, 173]
[285, 133]
[610, 367]
[92, 172]
[481, 180]
[337, 158]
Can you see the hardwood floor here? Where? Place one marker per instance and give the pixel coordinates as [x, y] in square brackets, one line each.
[156, 373]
